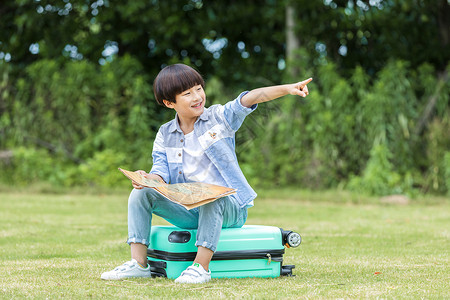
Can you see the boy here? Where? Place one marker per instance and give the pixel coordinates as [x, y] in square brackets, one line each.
[198, 145]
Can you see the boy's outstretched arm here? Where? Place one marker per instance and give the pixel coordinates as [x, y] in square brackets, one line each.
[269, 93]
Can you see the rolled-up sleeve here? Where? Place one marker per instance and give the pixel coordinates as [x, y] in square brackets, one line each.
[235, 112]
[160, 166]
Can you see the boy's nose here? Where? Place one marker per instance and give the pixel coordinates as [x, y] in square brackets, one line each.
[197, 95]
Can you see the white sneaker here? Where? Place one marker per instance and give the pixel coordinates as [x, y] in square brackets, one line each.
[127, 270]
[194, 274]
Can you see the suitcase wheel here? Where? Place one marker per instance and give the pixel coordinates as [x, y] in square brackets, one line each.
[293, 239]
[287, 270]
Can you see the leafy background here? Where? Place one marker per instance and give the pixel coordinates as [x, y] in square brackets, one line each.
[76, 98]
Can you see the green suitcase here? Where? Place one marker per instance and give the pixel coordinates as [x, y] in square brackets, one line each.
[250, 251]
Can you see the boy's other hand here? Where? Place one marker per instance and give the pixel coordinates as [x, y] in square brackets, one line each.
[300, 88]
[146, 175]
[136, 185]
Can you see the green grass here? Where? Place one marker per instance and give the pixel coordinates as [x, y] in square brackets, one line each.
[57, 245]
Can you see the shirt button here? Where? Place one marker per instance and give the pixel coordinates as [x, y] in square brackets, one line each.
[180, 172]
[181, 140]
[179, 154]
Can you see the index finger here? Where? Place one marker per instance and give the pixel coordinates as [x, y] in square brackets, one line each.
[305, 82]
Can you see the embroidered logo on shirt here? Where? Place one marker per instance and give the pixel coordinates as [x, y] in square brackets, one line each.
[212, 134]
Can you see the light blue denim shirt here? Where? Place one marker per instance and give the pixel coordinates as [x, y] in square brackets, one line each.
[215, 130]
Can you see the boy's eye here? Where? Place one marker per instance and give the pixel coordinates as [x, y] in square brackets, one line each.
[185, 94]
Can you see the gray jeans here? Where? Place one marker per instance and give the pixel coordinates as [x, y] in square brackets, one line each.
[209, 219]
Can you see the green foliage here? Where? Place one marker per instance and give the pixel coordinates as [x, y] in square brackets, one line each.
[379, 176]
[388, 113]
[101, 170]
[79, 108]
[353, 133]
[270, 153]
[378, 96]
[347, 131]
[80, 115]
[31, 165]
[446, 167]
[373, 32]
[331, 127]
[438, 138]
[252, 32]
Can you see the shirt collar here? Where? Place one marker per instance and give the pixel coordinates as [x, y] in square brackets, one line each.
[204, 116]
[175, 126]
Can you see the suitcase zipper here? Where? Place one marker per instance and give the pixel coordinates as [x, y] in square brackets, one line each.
[272, 255]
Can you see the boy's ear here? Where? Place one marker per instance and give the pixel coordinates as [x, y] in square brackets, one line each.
[168, 103]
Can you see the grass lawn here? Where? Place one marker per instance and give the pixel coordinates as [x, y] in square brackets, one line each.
[57, 245]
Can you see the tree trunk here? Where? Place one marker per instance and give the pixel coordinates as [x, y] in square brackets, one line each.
[292, 43]
[444, 21]
[431, 105]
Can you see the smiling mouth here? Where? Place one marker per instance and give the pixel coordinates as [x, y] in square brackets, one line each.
[197, 105]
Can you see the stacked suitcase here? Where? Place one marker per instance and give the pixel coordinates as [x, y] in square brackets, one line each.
[250, 251]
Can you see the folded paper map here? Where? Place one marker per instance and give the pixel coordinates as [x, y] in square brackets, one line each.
[188, 195]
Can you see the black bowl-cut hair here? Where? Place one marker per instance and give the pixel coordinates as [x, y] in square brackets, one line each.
[173, 80]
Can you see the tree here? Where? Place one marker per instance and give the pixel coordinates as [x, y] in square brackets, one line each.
[250, 38]
[369, 33]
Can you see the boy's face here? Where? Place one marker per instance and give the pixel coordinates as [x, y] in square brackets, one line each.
[189, 103]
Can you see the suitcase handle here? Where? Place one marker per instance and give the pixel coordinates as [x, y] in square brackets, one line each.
[179, 237]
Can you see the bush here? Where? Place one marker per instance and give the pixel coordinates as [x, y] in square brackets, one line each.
[446, 167]
[74, 123]
[101, 170]
[438, 140]
[30, 165]
[379, 176]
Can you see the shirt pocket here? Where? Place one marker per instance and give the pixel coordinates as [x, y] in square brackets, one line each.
[213, 135]
[174, 155]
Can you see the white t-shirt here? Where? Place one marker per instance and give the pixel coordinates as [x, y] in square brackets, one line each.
[196, 165]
